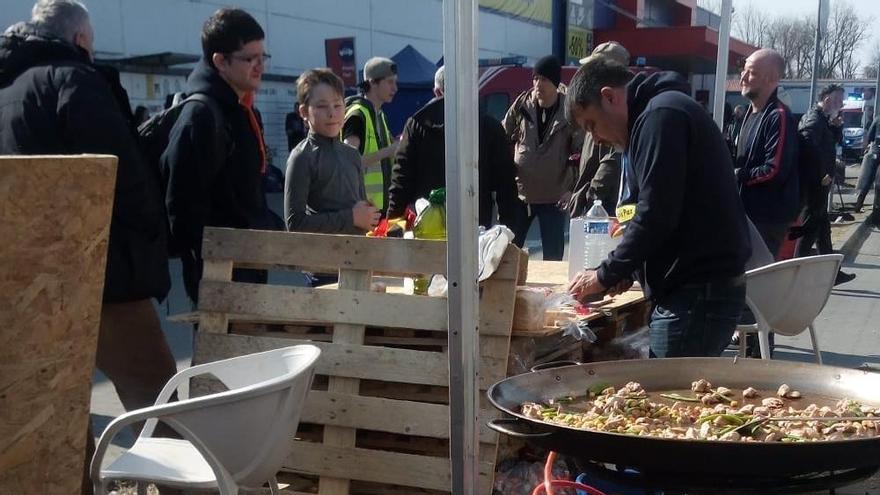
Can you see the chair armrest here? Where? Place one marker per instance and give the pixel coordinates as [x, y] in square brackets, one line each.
[152, 414]
[170, 387]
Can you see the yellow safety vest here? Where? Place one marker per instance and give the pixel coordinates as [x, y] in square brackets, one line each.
[374, 179]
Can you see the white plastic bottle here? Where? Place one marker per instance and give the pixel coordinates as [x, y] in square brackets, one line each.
[576, 239]
[597, 238]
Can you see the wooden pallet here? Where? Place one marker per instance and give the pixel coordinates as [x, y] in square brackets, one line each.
[384, 390]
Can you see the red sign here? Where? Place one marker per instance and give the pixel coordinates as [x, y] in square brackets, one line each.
[340, 59]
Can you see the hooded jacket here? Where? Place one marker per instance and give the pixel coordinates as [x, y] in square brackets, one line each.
[420, 165]
[210, 183]
[817, 155]
[545, 170]
[54, 101]
[768, 178]
[689, 224]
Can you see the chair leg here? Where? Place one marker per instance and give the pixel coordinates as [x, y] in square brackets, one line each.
[815, 344]
[141, 488]
[764, 341]
[99, 487]
[273, 486]
[742, 343]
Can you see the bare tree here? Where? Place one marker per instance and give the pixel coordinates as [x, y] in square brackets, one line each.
[794, 38]
[846, 33]
[750, 25]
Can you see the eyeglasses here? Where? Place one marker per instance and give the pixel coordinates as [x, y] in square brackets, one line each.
[252, 59]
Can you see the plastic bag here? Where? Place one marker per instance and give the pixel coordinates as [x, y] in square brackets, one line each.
[633, 345]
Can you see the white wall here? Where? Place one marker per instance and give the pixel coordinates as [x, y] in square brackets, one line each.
[295, 29]
[295, 34]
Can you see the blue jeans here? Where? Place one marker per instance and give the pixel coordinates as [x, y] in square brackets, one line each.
[697, 320]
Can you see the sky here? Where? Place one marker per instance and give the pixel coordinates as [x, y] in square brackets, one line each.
[800, 8]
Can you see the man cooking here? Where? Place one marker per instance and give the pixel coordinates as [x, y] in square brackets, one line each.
[686, 237]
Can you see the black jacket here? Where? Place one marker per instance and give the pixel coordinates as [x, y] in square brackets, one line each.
[817, 154]
[689, 225]
[210, 183]
[421, 165]
[54, 101]
[768, 178]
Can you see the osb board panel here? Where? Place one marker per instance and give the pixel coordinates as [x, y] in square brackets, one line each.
[54, 222]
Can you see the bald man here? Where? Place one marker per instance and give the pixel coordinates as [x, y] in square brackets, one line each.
[766, 151]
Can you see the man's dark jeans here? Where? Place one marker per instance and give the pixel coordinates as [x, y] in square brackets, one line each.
[697, 319]
[552, 222]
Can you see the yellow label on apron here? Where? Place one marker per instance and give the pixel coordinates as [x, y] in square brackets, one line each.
[625, 213]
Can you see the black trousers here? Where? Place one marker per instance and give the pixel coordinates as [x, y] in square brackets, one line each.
[817, 227]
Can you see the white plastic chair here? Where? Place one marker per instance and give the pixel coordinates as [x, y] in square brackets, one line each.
[236, 438]
[786, 297]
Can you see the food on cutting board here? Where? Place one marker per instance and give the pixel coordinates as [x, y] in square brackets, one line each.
[710, 413]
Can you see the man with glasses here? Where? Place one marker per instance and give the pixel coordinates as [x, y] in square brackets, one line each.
[216, 155]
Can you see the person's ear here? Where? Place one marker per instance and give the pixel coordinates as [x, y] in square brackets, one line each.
[304, 112]
[218, 59]
[608, 94]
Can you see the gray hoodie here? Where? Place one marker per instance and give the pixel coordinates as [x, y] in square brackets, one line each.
[324, 180]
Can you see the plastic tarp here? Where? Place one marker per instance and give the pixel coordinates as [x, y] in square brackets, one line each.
[415, 81]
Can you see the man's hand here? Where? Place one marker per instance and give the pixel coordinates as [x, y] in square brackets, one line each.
[564, 201]
[827, 180]
[621, 287]
[586, 284]
[365, 216]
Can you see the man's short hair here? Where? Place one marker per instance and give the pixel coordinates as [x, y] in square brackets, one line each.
[310, 79]
[440, 78]
[596, 73]
[227, 30]
[829, 90]
[59, 18]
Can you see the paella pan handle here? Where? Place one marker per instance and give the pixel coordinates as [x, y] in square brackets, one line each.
[517, 428]
[554, 364]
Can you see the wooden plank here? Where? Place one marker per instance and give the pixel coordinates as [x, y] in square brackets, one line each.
[344, 334]
[388, 415]
[354, 361]
[377, 466]
[219, 270]
[264, 249]
[301, 304]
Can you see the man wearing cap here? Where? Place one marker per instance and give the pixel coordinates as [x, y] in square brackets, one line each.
[367, 129]
[544, 146]
[599, 172]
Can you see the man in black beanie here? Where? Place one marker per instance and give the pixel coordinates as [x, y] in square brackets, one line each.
[546, 148]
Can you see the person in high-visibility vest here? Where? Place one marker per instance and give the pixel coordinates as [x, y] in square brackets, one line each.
[367, 129]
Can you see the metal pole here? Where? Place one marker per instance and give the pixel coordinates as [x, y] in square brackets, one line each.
[815, 73]
[876, 95]
[460, 59]
[721, 65]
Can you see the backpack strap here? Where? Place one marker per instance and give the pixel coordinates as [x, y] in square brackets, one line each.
[221, 130]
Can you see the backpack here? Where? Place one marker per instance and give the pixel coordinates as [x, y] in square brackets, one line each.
[153, 136]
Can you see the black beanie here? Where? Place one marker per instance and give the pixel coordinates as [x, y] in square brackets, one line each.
[549, 67]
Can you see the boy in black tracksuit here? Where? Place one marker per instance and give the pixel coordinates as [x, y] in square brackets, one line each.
[687, 241]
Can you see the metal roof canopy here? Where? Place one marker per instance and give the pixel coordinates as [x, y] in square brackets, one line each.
[163, 59]
[460, 56]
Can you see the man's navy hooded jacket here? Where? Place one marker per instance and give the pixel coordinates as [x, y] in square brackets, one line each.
[689, 226]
